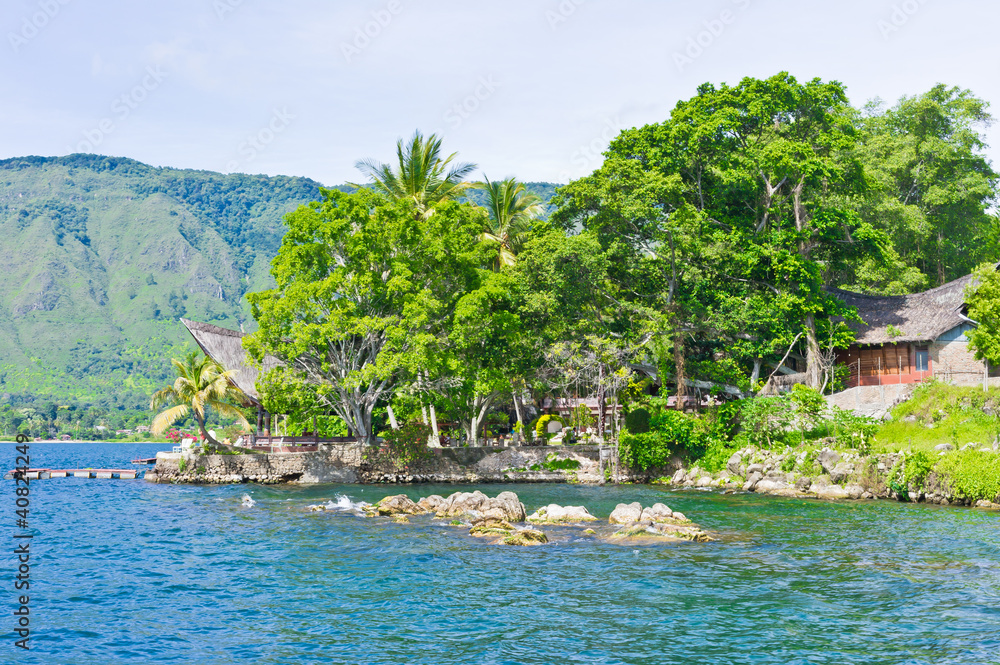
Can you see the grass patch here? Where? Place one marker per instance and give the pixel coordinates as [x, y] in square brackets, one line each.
[938, 413]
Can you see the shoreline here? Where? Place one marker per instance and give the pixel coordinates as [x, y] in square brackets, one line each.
[819, 475]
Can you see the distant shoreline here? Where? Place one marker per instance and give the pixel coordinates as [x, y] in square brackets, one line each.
[164, 443]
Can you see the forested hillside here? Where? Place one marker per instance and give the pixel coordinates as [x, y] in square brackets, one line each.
[100, 256]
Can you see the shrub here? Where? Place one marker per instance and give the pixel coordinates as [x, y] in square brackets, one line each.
[637, 420]
[401, 449]
[766, 420]
[918, 465]
[671, 433]
[552, 463]
[854, 431]
[973, 474]
[717, 453]
[542, 424]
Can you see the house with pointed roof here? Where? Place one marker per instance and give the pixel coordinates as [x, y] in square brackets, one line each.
[910, 338]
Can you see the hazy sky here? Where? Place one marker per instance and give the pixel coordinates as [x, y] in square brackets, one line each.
[534, 89]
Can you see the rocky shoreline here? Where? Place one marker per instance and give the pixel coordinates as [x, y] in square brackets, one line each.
[819, 474]
[825, 474]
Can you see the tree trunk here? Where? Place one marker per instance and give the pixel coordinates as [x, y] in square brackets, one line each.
[517, 409]
[679, 371]
[813, 362]
[601, 404]
[755, 375]
[210, 443]
[392, 417]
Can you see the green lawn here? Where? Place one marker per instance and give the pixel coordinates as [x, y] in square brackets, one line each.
[938, 413]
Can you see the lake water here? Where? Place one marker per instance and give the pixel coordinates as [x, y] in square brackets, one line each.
[133, 572]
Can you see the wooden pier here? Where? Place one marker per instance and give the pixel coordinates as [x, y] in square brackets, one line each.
[42, 474]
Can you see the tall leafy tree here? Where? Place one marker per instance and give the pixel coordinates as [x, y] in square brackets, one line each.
[757, 178]
[365, 294]
[983, 297]
[200, 385]
[421, 175]
[932, 187]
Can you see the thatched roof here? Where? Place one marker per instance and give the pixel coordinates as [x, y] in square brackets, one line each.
[225, 347]
[919, 317]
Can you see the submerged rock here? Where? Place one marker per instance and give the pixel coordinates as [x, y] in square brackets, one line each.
[646, 531]
[525, 538]
[556, 513]
[398, 504]
[626, 513]
[491, 527]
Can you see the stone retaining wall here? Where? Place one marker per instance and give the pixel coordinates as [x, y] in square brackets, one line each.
[342, 463]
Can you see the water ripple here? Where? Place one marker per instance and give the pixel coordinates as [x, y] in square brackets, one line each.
[134, 572]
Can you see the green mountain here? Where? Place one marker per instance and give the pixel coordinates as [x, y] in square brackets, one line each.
[100, 256]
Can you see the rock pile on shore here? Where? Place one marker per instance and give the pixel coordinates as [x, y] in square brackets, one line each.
[821, 474]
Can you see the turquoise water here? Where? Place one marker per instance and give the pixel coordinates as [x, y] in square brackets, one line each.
[132, 572]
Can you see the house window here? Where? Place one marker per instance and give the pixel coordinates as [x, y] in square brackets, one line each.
[921, 360]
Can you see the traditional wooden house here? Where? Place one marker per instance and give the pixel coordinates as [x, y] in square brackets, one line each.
[906, 339]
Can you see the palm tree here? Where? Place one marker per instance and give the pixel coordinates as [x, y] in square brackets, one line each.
[421, 176]
[200, 384]
[512, 209]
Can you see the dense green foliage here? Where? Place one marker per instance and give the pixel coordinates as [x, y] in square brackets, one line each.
[972, 474]
[702, 250]
[983, 298]
[401, 450]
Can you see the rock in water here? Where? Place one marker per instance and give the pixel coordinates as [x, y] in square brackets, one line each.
[505, 506]
[626, 513]
[398, 504]
[556, 513]
[525, 538]
[751, 483]
[491, 527]
[657, 513]
[431, 503]
[248, 501]
[461, 503]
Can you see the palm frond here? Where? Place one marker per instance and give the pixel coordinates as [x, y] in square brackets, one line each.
[167, 418]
